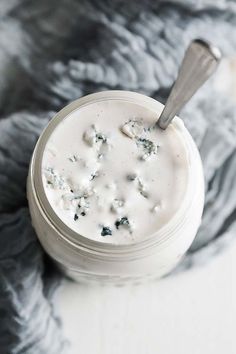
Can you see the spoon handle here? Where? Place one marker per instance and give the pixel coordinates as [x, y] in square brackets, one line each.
[199, 63]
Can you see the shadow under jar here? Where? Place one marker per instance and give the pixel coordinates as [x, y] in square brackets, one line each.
[111, 195]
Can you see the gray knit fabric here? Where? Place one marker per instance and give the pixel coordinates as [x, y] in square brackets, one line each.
[52, 52]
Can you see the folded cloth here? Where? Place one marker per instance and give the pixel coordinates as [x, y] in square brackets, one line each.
[52, 52]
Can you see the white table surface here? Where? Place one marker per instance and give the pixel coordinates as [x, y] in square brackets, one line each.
[191, 313]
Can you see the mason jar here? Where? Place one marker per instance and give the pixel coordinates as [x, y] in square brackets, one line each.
[83, 258]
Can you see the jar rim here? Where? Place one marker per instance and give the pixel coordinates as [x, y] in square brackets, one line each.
[158, 237]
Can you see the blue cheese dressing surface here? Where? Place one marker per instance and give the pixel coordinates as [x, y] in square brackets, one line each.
[111, 175]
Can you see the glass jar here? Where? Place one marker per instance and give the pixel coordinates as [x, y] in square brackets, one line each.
[80, 257]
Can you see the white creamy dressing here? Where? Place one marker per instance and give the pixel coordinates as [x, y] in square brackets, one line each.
[110, 175]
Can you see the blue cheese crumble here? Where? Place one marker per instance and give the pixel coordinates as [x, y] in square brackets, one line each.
[77, 202]
[124, 223]
[97, 140]
[54, 180]
[148, 148]
[134, 129]
[106, 231]
[140, 185]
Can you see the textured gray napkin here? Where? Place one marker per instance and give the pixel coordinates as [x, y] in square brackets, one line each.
[52, 52]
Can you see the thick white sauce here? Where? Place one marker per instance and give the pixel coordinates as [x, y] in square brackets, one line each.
[110, 175]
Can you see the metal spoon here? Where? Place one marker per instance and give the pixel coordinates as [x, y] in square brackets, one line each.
[200, 61]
